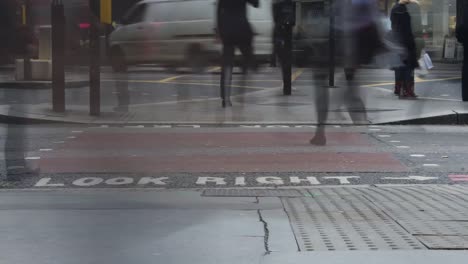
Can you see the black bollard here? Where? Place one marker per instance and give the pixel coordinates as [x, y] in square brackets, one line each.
[29, 29]
[94, 69]
[332, 49]
[58, 56]
[462, 35]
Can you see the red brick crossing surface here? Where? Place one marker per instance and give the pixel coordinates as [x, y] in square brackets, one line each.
[217, 152]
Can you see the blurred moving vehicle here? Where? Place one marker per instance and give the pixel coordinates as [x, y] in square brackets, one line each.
[179, 33]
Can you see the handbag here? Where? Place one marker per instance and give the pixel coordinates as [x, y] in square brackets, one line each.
[425, 64]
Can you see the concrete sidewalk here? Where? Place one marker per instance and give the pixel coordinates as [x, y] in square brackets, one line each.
[409, 224]
[133, 99]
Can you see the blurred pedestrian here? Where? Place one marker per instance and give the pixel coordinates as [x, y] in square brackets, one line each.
[357, 25]
[462, 36]
[407, 31]
[235, 31]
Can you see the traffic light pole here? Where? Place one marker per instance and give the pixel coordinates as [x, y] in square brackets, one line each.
[94, 69]
[331, 59]
[28, 24]
[58, 56]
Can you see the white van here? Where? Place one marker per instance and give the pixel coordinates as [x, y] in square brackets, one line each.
[179, 32]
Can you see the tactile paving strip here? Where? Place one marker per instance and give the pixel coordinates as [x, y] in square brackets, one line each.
[252, 193]
[436, 215]
[424, 210]
[444, 242]
[343, 219]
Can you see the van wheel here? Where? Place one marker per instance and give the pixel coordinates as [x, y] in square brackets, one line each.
[195, 59]
[117, 59]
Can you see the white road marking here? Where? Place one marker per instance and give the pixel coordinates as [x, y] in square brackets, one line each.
[418, 155]
[409, 178]
[240, 181]
[71, 137]
[384, 136]
[104, 126]
[45, 182]
[44, 150]
[139, 126]
[270, 180]
[77, 131]
[343, 179]
[395, 141]
[119, 181]
[337, 126]
[155, 181]
[445, 95]
[32, 158]
[431, 165]
[88, 181]
[375, 129]
[311, 180]
[59, 142]
[162, 126]
[205, 180]
[403, 147]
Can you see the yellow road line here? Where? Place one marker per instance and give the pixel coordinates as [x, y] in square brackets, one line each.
[417, 80]
[216, 84]
[217, 68]
[171, 78]
[297, 74]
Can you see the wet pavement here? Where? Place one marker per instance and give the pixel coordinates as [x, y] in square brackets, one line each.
[156, 95]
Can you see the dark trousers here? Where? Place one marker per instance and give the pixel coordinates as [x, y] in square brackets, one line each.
[228, 62]
[283, 49]
[465, 73]
[404, 74]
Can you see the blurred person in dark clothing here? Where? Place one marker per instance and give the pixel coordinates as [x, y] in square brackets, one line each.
[235, 31]
[407, 31]
[357, 23]
[462, 36]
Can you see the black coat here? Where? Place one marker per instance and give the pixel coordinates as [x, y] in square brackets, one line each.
[233, 26]
[404, 29]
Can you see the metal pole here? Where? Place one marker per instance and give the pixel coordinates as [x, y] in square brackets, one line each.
[29, 29]
[94, 68]
[331, 62]
[58, 56]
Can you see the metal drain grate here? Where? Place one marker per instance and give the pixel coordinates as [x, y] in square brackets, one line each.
[252, 193]
[444, 242]
[342, 219]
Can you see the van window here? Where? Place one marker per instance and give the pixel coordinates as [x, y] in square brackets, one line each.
[135, 16]
[163, 12]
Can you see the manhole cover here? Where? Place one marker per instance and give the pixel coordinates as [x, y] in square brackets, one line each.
[251, 193]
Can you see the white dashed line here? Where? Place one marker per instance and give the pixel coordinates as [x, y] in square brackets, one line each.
[445, 95]
[337, 126]
[104, 126]
[72, 137]
[32, 158]
[162, 126]
[418, 155]
[431, 165]
[384, 136]
[77, 131]
[395, 141]
[403, 147]
[140, 126]
[375, 129]
[44, 150]
[59, 142]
